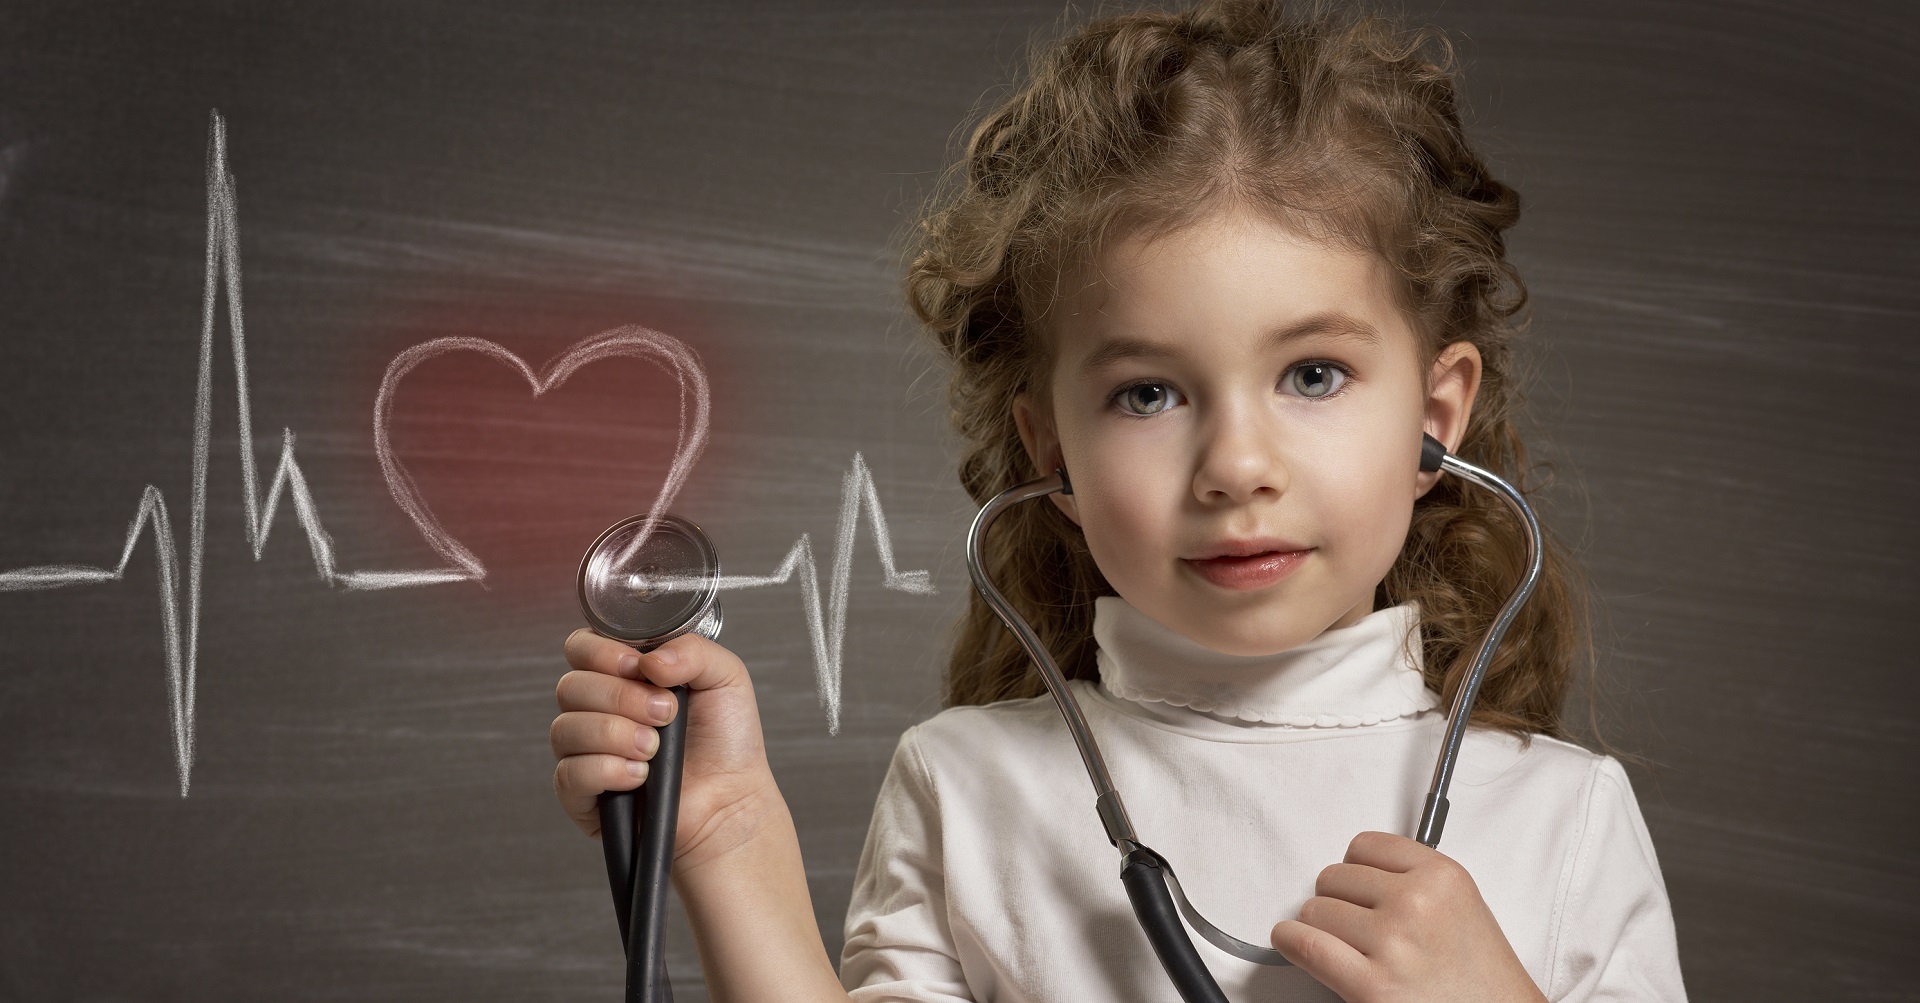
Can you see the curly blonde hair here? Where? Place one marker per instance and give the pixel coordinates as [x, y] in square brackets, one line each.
[1343, 125]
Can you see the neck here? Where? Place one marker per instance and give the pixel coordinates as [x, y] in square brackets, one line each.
[1354, 674]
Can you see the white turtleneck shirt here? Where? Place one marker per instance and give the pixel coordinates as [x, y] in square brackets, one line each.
[986, 874]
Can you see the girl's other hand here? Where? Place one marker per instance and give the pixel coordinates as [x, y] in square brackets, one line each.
[1398, 920]
[611, 706]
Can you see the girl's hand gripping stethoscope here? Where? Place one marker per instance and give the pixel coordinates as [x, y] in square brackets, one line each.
[627, 722]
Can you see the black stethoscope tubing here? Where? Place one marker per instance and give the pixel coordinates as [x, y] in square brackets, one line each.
[636, 835]
[1152, 887]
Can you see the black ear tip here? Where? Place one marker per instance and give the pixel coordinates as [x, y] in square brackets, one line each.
[1066, 486]
[1431, 453]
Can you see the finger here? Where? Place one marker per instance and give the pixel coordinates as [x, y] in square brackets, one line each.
[1389, 852]
[1356, 926]
[635, 700]
[578, 732]
[693, 661]
[589, 651]
[1360, 884]
[1334, 962]
[578, 781]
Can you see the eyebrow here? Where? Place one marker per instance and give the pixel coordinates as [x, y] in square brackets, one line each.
[1328, 324]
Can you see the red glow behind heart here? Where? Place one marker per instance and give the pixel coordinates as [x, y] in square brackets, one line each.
[527, 482]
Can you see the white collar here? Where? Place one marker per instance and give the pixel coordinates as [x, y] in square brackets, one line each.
[1348, 677]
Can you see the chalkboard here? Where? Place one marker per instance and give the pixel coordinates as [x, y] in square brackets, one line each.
[232, 768]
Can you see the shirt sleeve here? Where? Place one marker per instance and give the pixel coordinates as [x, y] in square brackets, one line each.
[1616, 938]
[899, 944]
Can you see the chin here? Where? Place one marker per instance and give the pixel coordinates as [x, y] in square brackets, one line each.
[1247, 633]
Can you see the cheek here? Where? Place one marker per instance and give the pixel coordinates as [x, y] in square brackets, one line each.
[1365, 462]
[1118, 521]
[1126, 504]
[1369, 506]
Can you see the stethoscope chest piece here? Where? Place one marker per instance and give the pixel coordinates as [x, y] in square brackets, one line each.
[626, 591]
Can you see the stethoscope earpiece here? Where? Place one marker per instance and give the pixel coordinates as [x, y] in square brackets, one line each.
[1432, 454]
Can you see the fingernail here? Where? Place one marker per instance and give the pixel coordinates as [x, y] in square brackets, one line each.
[629, 661]
[661, 705]
[666, 656]
[644, 743]
[636, 769]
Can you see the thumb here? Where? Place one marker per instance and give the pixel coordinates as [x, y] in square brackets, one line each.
[1322, 955]
[697, 663]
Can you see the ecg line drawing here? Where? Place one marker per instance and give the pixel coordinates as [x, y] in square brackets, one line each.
[181, 632]
[829, 632]
[180, 629]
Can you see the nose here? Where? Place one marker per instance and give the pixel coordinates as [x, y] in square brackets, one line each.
[1240, 457]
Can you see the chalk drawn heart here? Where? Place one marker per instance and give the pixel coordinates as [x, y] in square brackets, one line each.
[631, 341]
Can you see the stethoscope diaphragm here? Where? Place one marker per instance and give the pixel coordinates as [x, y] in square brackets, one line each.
[647, 595]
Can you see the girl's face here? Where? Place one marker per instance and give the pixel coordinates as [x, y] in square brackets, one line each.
[1240, 409]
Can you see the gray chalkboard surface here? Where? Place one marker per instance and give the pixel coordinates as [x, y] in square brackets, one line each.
[1720, 239]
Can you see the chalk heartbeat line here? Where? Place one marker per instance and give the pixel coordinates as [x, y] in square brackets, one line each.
[180, 627]
[827, 632]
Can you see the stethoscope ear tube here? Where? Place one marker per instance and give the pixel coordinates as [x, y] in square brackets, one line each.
[1433, 813]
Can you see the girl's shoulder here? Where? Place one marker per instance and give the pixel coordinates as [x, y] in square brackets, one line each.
[1004, 725]
[1489, 755]
[961, 747]
[1530, 779]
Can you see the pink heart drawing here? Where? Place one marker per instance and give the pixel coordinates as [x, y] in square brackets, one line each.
[631, 341]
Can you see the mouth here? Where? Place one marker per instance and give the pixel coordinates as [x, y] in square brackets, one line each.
[1251, 564]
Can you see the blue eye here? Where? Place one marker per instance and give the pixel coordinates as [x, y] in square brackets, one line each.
[1148, 398]
[1314, 379]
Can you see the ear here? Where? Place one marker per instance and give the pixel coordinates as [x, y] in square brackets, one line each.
[1452, 384]
[1042, 441]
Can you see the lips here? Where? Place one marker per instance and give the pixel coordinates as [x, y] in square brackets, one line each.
[1251, 564]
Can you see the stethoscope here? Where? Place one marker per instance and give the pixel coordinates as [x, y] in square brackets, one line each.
[622, 598]
[1151, 884]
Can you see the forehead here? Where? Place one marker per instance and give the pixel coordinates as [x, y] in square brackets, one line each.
[1223, 278]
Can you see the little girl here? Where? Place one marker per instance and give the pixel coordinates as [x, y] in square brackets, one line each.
[1224, 267]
